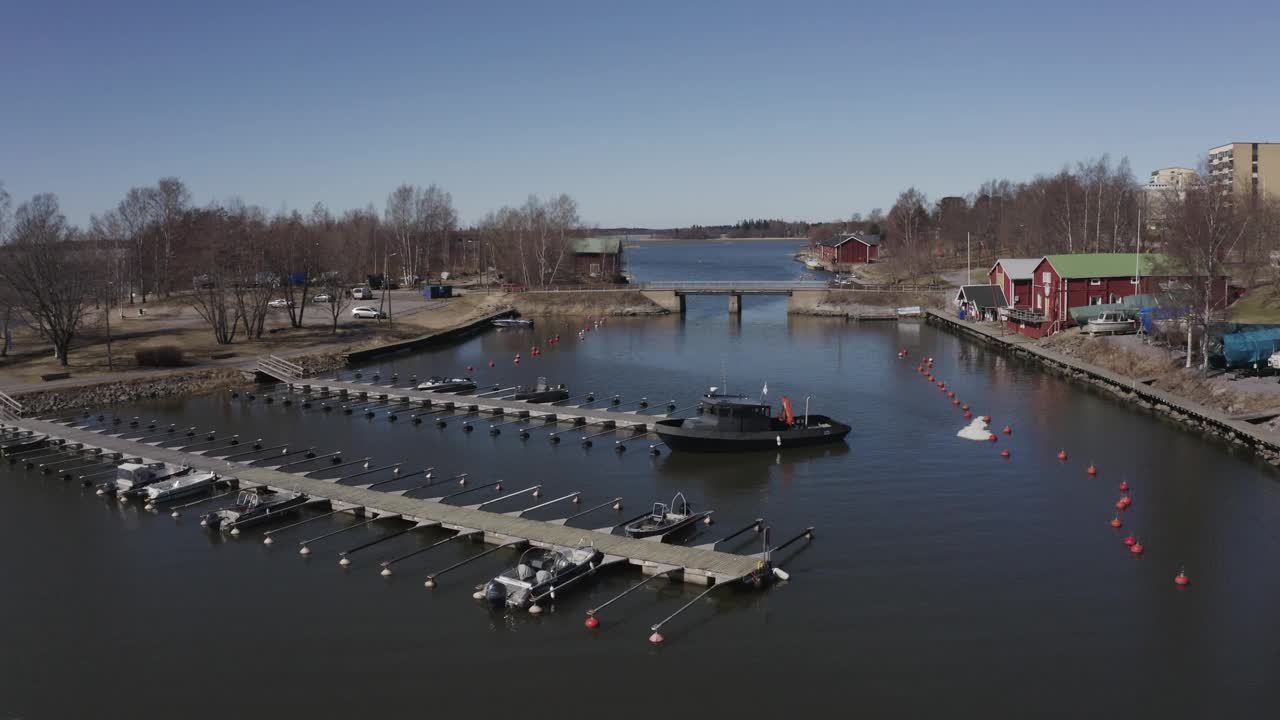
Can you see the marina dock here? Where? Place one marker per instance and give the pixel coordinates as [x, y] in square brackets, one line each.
[348, 391]
[689, 564]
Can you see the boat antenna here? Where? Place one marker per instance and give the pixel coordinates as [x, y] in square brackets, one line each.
[724, 377]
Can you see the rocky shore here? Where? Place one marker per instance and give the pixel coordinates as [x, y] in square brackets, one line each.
[97, 395]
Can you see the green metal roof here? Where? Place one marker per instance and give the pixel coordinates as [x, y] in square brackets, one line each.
[1100, 265]
[598, 245]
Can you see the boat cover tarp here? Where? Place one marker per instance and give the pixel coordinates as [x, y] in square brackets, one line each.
[1247, 347]
[1129, 306]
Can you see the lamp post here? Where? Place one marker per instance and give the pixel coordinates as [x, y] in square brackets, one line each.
[386, 284]
[107, 314]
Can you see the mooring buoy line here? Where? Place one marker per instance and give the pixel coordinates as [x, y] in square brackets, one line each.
[68, 473]
[234, 489]
[757, 525]
[491, 392]
[520, 513]
[231, 441]
[656, 637]
[266, 536]
[386, 564]
[33, 454]
[305, 543]
[255, 451]
[343, 561]
[520, 416]
[31, 462]
[398, 476]
[589, 396]
[616, 503]
[369, 471]
[461, 478]
[807, 533]
[442, 498]
[592, 612]
[592, 400]
[642, 403]
[334, 457]
[586, 439]
[310, 450]
[431, 578]
[669, 406]
[536, 490]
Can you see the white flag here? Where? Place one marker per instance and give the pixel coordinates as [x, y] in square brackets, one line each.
[765, 390]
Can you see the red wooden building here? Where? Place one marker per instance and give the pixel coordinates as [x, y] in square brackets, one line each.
[1061, 282]
[1013, 277]
[849, 249]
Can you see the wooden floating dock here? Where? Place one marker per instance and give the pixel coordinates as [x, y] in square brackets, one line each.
[360, 392]
[690, 564]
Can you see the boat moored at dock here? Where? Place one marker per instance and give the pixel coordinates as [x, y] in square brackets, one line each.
[512, 323]
[541, 392]
[441, 384]
[180, 487]
[252, 507]
[666, 519]
[538, 572]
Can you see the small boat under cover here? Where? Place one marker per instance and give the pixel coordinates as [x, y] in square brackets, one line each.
[539, 571]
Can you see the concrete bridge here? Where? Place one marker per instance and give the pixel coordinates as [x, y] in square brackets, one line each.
[671, 294]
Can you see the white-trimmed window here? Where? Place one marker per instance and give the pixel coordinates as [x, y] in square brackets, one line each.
[1095, 281]
[1133, 281]
[1095, 301]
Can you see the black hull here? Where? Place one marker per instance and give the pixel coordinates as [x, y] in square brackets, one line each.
[702, 440]
[547, 396]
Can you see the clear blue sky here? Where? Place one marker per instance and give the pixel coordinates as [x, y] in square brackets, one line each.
[649, 113]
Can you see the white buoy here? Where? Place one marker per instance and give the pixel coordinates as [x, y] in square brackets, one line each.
[204, 523]
[305, 550]
[781, 574]
[267, 540]
[100, 492]
[344, 562]
[235, 531]
[148, 506]
[430, 583]
[175, 514]
[535, 609]
[386, 572]
[477, 595]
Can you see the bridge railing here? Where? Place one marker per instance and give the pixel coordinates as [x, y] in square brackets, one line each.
[693, 285]
[10, 409]
[280, 368]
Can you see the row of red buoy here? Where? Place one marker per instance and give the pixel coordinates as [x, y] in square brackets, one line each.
[1135, 547]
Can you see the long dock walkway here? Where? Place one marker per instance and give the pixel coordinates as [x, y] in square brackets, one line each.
[494, 406]
[695, 565]
[1234, 429]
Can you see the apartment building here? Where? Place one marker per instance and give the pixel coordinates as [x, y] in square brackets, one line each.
[1246, 169]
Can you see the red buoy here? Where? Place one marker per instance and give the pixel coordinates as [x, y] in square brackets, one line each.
[1004, 453]
[1130, 541]
[1062, 454]
[965, 406]
[967, 414]
[517, 360]
[956, 402]
[1126, 500]
[1120, 505]
[1115, 522]
[951, 394]
[469, 368]
[1181, 579]
[1008, 430]
[1092, 470]
[592, 623]
[986, 418]
[1124, 486]
[656, 637]
[490, 363]
[1136, 548]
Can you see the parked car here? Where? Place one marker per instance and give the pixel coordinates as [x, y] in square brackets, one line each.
[367, 313]
[323, 298]
[280, 303]
[361, 293]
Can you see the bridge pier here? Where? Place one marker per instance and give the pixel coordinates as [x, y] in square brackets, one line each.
[735, 304]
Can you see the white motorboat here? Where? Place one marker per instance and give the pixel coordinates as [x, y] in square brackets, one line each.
[437, 383]
[132, 479]
[180, 487]
[512, 323]
[1109, 323]
[813, 264]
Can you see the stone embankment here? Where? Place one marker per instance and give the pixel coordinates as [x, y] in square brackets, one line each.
[596, 303]
[858, 304]
[110, 392]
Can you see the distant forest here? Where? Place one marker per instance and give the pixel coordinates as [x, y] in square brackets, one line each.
[742, 229]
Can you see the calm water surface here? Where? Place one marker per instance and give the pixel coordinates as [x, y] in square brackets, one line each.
[943, 580]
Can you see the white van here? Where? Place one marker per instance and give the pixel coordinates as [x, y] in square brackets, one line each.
[361, 293]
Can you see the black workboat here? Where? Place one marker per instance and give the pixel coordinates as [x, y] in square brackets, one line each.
[727, 423]
[541, 392]
[254, 506]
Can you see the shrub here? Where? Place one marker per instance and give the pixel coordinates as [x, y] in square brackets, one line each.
[163, 356]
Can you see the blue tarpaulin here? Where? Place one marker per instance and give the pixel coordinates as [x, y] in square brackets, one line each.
[1249, 347]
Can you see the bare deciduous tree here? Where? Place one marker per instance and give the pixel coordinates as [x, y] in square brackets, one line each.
[49, 271]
